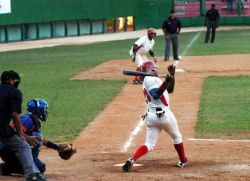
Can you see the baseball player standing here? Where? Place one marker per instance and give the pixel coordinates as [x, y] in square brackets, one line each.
[140, 48]
[158, 116]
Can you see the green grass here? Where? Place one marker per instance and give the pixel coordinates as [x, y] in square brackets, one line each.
[46, 73]
[226, 42]
[224, 108]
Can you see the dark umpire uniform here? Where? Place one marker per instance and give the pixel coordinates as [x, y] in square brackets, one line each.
[211, 21]
[171, 28]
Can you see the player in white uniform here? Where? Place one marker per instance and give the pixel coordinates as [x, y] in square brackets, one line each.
[140, 48]
[158, 116]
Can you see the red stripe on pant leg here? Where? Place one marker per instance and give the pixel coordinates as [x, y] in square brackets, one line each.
[142, 150]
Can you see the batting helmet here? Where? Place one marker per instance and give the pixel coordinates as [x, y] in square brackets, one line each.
[149, 67]
[38, 107]
[151, 31]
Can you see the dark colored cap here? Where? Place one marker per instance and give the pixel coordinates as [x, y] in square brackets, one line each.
[8, 75]
[172, 11]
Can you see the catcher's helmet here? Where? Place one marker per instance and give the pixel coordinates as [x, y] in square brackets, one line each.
[149, 67]
[38, 107]
[151, 31]
[10, 75]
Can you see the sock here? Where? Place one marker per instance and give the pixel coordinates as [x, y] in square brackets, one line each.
[181, 152]
[137, 78]
[142, 150]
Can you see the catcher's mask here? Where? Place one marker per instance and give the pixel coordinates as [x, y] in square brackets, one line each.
[38, 107]
[149, 67]
[6, 76]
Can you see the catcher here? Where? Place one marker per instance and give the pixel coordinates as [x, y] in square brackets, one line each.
[31, 125]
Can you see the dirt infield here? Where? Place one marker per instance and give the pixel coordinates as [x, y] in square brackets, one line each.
[100, 145]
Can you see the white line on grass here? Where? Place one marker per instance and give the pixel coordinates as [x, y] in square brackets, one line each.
[140, 123]
[191, 43]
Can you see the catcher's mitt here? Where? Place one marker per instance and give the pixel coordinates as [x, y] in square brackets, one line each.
[171, 70]
[66, 150]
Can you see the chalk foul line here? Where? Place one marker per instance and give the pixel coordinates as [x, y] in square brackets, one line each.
[132, 136]
[216, 140]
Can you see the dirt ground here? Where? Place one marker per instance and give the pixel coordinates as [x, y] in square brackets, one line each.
[100, 145]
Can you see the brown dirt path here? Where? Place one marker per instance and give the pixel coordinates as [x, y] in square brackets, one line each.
[100, 144]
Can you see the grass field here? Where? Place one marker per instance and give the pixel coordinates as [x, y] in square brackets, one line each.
[46, 74]
[225, 107]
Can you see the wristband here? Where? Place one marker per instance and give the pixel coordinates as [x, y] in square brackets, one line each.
[52, 145]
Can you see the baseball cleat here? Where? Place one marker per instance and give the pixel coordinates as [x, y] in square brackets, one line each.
[127, 166]
[166, 59]
[182, 164]
[36, 177]
[135, 81]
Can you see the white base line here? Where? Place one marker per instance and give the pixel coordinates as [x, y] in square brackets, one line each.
[216, 140]
[132, 136]
[190, 44]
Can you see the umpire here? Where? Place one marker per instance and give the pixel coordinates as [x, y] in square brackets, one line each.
[12, 136]
[211, 22]
[171, 28]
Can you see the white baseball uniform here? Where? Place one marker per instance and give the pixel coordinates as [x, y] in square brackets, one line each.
[166, 121]
[145, 45]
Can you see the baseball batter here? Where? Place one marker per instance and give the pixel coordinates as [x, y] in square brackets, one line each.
[158, 116]
[140, 48]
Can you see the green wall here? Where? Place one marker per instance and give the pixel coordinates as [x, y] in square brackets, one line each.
[146, 12]
[39, 19]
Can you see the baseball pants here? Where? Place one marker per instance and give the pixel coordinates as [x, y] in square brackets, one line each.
[172, 38]
[155, 124]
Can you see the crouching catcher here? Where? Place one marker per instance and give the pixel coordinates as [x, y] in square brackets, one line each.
[31, 125]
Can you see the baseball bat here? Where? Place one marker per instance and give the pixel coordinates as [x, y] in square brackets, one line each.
[137, 73]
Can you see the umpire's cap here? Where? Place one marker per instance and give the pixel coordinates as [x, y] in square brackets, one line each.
[10, 75]
[172, 11]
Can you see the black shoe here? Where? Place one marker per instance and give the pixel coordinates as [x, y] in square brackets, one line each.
[182, 164]
[36, 177]
[7, 169]
[137, 82]
[4, 169]
[127, 166]
[177, 58]
[166, 59]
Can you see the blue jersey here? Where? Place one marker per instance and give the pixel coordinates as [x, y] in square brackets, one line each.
[29, 123]
[31, 126]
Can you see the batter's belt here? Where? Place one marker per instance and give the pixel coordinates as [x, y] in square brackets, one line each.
[157, 110]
